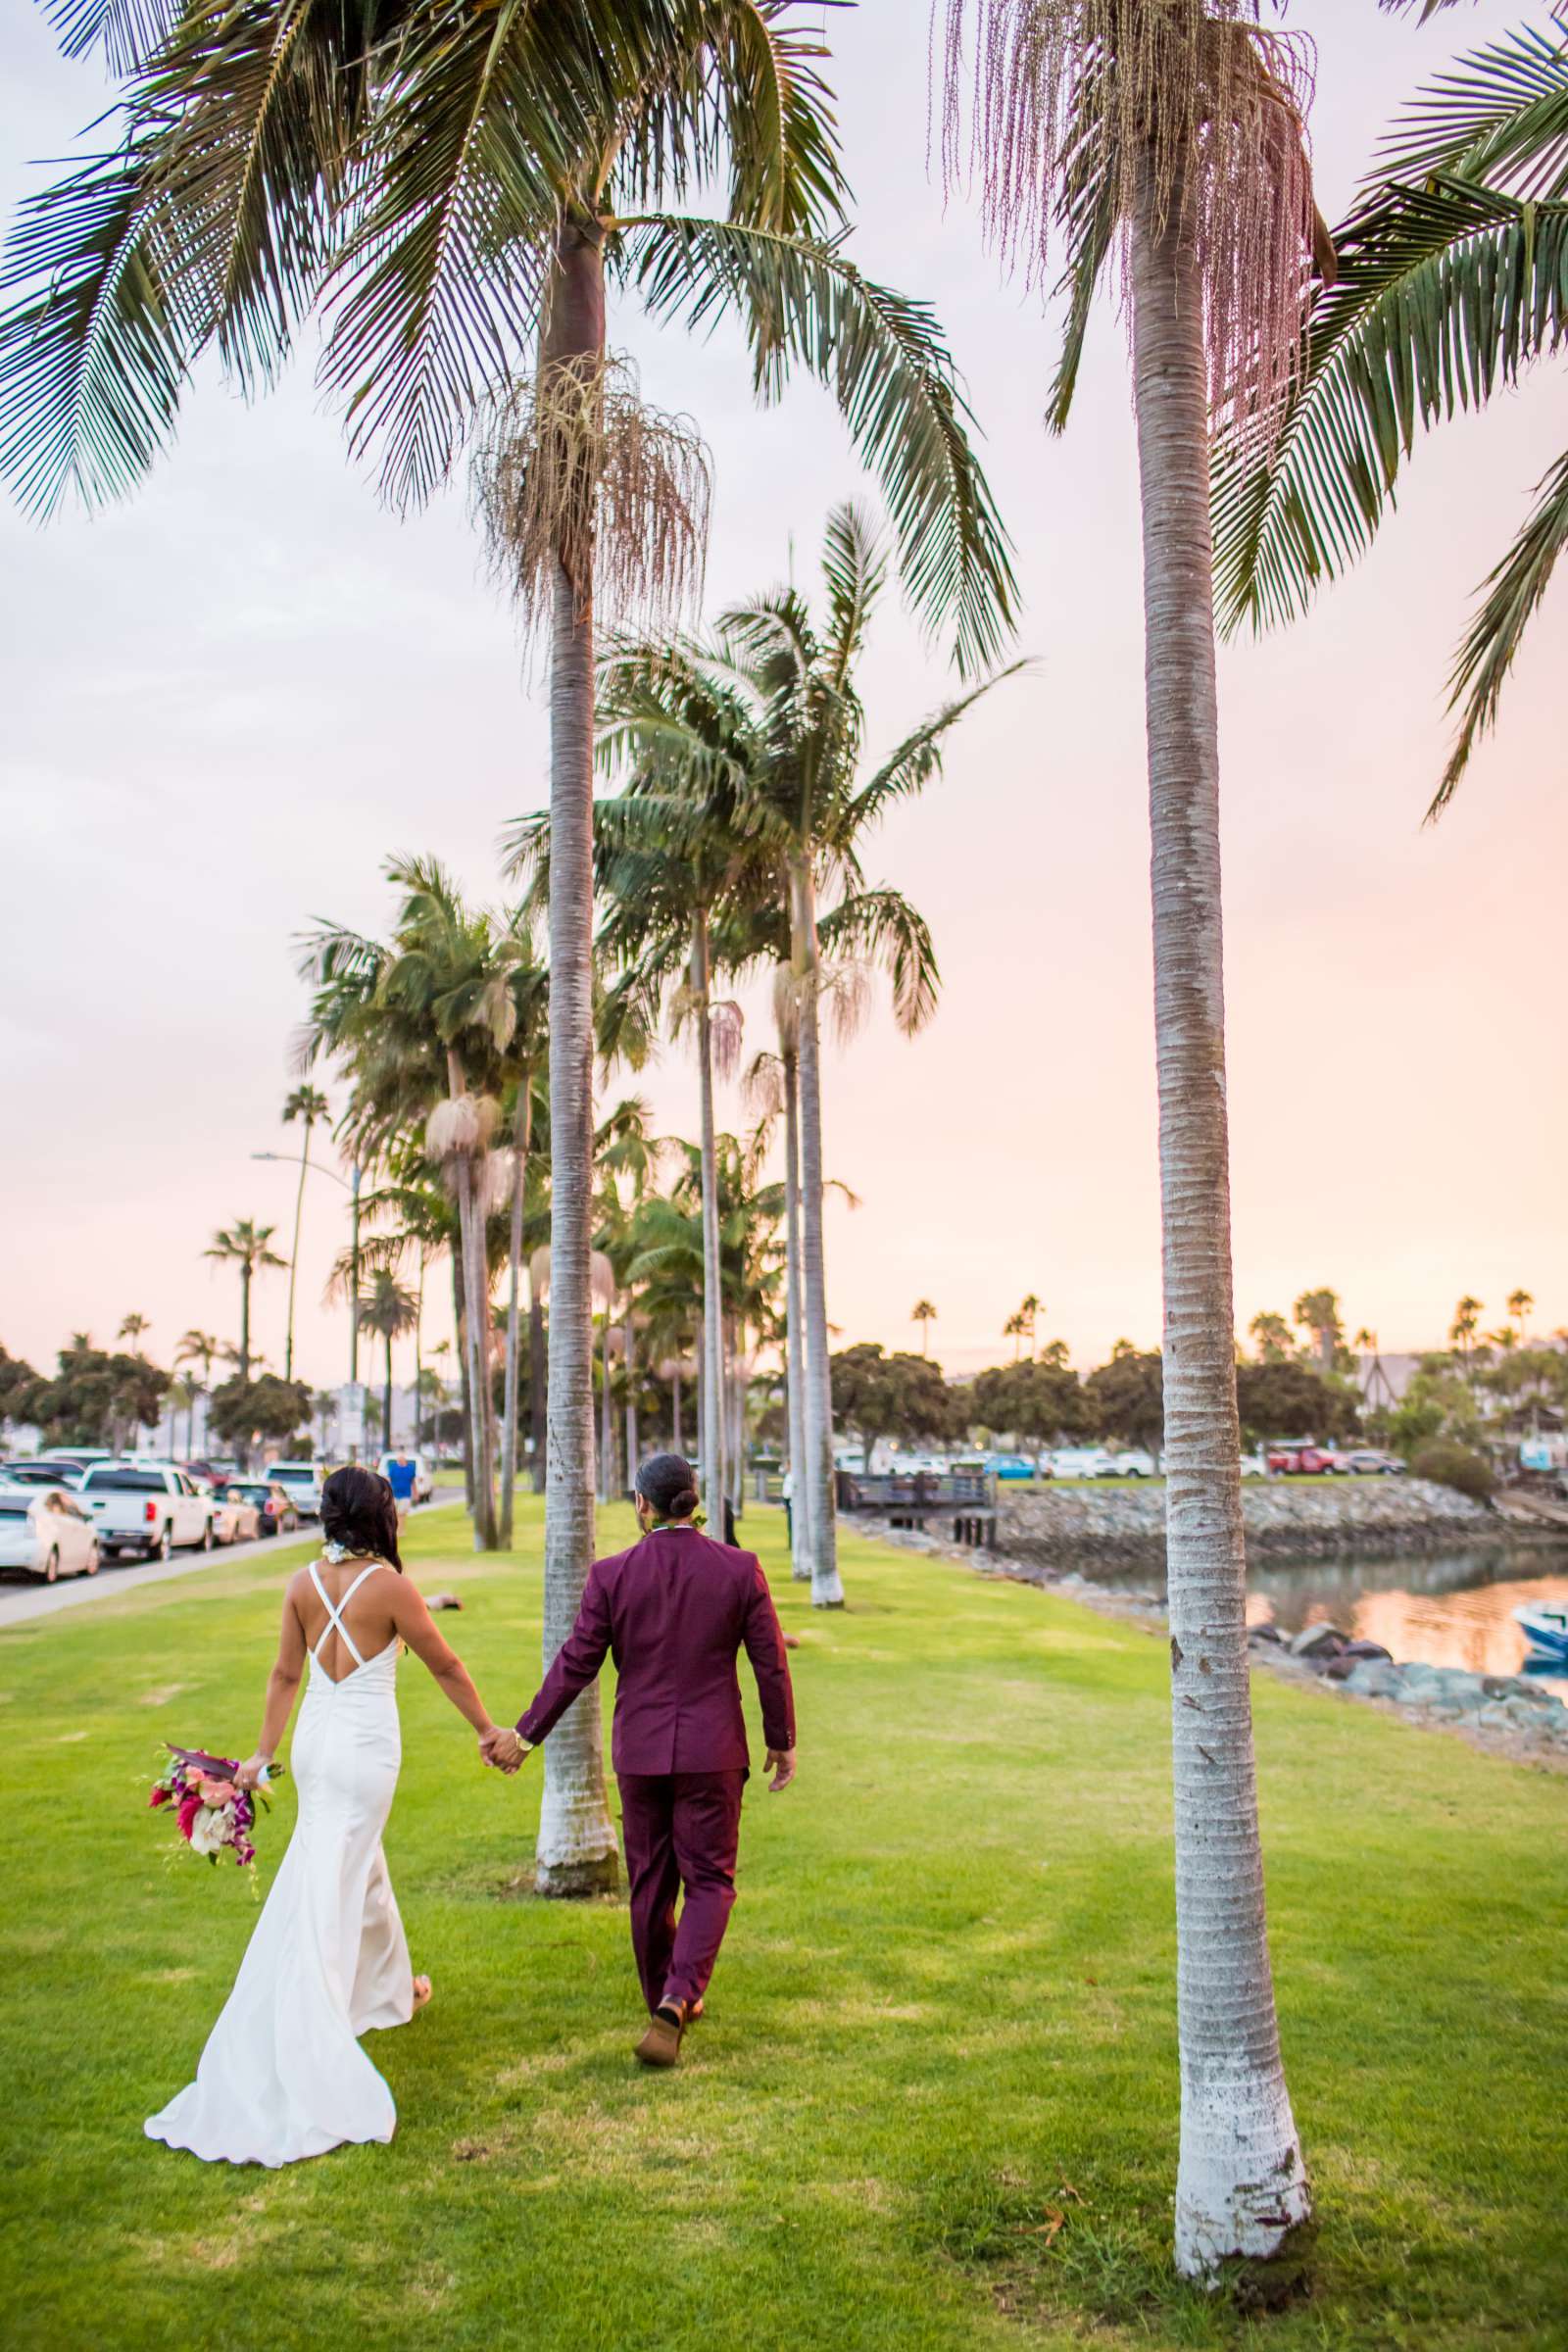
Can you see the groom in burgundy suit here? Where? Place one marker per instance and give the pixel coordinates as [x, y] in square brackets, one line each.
[674, 1612]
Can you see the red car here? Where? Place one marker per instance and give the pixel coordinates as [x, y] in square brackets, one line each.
[1303, 1462]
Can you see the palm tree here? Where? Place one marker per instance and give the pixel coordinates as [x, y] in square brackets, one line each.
[307, 1103]
[1169, 140]
[1318, 1311]
[526, 1056]
[1520, 1303]
[202, 1347]
[754, 739]
[1272, 1335]
[391, 1309]
[468, 185]
[132, 1327]
[1012, 1329]
[181, 1393]
[1030, 1312]
[926, 1314]
[421, 1023]
[1453, 269]
[244, 1244]
[1462, 1332]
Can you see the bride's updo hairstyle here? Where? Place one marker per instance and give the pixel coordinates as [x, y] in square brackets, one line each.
[359, 1512]
[669, 1482]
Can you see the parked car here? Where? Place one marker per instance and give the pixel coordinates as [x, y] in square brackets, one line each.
[1366, 1462]
[274, 1504]
[1254, 1465]
[1010, 1465]
[146, 1507]
[423, 1483]
[1133, 1463]
[234, 1519]
[303, 1481]
[1082, 1461]
[47, 1472]
[44, 1531]
[1303, 1461]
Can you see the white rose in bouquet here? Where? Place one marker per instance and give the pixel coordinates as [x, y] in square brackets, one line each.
[212, 1828]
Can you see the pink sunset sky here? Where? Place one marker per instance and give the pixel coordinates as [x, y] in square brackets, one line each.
[227, 701]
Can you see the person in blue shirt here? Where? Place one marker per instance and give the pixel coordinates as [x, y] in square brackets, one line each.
[401, 1473]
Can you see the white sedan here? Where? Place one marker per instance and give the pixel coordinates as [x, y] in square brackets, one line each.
[46, 1532]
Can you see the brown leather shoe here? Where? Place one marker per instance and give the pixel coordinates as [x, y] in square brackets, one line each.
[661, 2044]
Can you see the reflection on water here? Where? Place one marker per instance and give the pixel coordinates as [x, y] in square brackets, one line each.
[1451, 1608]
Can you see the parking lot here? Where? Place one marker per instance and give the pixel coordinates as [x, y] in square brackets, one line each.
[23, 1598]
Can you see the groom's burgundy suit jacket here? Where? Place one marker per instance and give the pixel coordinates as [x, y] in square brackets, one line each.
[674, 1612]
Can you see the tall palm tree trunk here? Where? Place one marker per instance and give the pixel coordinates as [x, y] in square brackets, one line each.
[606, 1421]
[1240, 2186]
[294, 1254]
[244, 1319]
[627, 1342]
[387, 1392]
[711, 1400]
[536, 1382]
[476, 1286]
[508, 1433]
[794, 1325]
[577, 1853]
[827, 1591]
[674, 1413]
[460, 1314]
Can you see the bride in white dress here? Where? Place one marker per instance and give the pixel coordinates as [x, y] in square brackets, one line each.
[283, 2075]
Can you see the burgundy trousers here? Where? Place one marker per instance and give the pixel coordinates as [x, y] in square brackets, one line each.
[682, 1833]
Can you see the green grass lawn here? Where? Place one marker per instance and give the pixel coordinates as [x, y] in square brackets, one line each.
[934, 2104]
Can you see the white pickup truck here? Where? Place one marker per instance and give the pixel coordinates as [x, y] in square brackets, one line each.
[146, 1507]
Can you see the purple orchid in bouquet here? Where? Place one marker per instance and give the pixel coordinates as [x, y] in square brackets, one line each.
[216, 1814]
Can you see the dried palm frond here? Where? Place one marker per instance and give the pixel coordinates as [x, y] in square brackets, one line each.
[726, 1026]
[1085, 110]
[576, 471]
[461, 1126]
[846, 991]
[762, 1087]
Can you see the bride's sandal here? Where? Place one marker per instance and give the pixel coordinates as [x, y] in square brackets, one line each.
[423, 1989]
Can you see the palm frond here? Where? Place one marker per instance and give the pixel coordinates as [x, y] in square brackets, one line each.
[1514, 590]
[127, 32]
[884, 360]
[95, 353]
[1498, 114]
[1444, 293]
[882, 927]
[912, 763]
[435, 294]
[854, 569]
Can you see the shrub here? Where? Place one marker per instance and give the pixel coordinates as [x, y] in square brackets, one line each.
[1456, 1466]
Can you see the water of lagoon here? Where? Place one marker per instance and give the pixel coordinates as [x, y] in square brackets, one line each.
[1451, 1608]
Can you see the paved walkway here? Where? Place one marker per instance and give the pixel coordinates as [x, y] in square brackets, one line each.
[23, 1599]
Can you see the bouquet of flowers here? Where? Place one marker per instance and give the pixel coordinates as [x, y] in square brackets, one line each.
[214, 1813]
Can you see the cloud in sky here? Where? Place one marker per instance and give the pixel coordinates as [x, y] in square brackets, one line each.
[228, 699]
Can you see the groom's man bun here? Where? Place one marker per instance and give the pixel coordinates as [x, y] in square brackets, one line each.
[669, 1482]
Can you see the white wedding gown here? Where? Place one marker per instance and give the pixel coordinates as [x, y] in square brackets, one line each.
[283, 2075]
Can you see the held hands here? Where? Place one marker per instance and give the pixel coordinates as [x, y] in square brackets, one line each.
[503, 1748]
[780, 1762]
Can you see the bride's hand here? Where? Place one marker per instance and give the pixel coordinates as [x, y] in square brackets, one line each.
[254, 1769]
[502, 1748]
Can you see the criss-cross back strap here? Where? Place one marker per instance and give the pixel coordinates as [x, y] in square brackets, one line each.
[334, 1615]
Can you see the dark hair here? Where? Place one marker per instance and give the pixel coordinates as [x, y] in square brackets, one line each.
[358, 1511]
[669, 1482]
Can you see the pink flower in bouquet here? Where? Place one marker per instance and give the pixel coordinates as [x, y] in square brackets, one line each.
[190, 1804]
[217, 1792]
[160, 1795]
